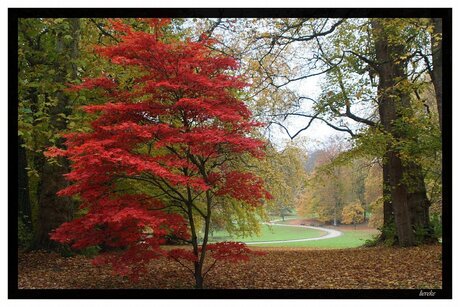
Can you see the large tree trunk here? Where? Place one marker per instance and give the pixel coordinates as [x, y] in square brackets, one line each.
[54, 210]
[419, 203]
[436, 74]
[400, 200]
[406, 186]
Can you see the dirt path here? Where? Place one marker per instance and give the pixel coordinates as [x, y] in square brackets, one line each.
[330, 233]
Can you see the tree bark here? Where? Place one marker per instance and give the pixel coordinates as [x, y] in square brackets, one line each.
[198, 276]
[436, 75]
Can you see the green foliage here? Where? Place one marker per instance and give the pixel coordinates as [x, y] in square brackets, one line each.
[90, 252]
[389, 233]
[65, 251]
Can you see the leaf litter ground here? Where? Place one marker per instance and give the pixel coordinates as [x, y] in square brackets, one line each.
[292, 268]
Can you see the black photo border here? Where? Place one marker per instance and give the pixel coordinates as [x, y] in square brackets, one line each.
[15, 293]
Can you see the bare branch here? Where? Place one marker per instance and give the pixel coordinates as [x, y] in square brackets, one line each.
[178, 261]
[312, 118]
[209, 269]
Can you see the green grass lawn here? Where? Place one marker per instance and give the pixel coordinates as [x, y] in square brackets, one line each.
[349, 239]
[271, 233]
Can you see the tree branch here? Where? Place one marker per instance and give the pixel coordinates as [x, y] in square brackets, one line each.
[347, 105]
[209, 32]
[209, 269]
[312, 118]
[307, 38]
[103, 31]
[364, 59]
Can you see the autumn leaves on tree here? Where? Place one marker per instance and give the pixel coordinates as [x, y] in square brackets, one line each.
[160, 156]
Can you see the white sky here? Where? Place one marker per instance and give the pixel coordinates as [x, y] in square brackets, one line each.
[318, 131]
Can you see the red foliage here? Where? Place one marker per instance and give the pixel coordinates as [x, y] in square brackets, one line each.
[184, 108]
[244, 186]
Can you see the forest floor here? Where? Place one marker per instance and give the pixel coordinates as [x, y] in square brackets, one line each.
[294, 268]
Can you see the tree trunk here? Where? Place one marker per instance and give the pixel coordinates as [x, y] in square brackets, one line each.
[388, 214]
[436, 75]
[406, 186]
[399, 196]
[198, 276]
[54, 210]
[420, 204]
[335, 214]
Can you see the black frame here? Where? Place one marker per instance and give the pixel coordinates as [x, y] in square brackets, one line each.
[15, 13]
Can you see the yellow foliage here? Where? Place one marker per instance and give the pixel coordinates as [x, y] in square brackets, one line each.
[353, 214]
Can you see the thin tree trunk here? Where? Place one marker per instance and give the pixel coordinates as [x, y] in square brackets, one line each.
[197, 266]
[335, 214]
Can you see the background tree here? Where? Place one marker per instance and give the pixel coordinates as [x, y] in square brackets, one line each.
[329, 186]
[353, 214]
[284, 173]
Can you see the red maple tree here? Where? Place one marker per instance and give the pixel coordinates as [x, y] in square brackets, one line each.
[159, 157]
